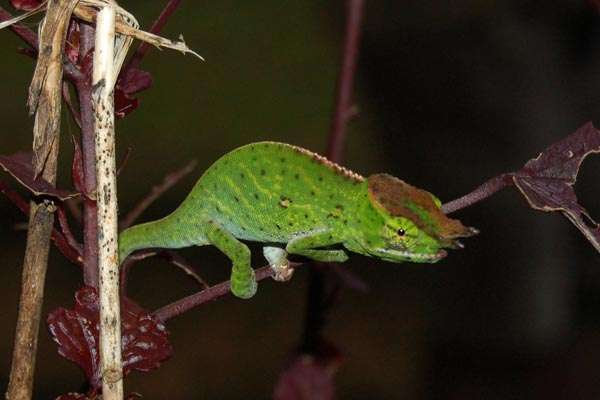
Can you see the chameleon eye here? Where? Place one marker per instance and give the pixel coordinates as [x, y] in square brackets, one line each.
[401, 232]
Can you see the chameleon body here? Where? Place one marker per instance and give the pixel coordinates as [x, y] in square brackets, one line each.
[298, 202]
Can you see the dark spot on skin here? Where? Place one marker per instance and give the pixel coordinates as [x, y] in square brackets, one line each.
[214, 185]
[320, 179]
[305, 215]
[253, 158]
[330, 237]
[345, 222]
[296, 176]
[236, 199]
[290, 223]
[278, 227]
[282, 159]
[263, 172]
[339, 207]
[242, 175]
[218, 209]
[369, 242]
[331, 196]
[312, 192]
[256, 196]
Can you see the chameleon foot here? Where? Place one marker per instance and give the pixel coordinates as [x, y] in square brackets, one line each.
[277, 258]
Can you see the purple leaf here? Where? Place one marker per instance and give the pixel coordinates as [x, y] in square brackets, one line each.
[309, 377]
[547, 180]
[130, 82]
[144, 340]
[25, 5]
[19, 166]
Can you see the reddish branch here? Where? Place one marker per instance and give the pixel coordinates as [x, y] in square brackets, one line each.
[213, 293]
[20, 30]
[485, 190]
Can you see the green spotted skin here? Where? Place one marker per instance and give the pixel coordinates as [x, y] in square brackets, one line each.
[282, 194]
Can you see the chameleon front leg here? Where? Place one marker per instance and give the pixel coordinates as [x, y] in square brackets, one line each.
[243, 281]
[306, 244]
[303, 245]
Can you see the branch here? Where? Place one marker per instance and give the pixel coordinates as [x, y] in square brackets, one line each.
[485, 190]
[103, 79]
[213, 293]
[20, 30]
[169, 181]
[156, 27]
[320, 296]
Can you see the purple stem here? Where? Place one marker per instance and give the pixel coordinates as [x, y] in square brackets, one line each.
[22, 31]
[156, 27]
[485, 190]
[212, 293]
[90, 223]
[321, 287]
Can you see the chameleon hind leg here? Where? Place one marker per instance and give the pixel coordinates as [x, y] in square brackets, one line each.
[277, 259]
[243, 281]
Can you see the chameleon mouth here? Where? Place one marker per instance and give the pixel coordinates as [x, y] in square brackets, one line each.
[394, 255]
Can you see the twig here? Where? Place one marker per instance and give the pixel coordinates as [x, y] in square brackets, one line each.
[343, 108]
[66, 230]
[321, 288]
[485, 190]
[29, 36]
[156, 191]
[156, 27]
[213, 293]
[67, 98]
[103, 80]
[124, 161]
[171, 256]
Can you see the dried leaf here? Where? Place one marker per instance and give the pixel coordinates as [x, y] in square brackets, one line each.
[547, 181]
[309, 377]
[20, 167]
[144, 340]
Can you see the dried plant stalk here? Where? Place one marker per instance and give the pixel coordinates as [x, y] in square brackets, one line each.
[103, 80]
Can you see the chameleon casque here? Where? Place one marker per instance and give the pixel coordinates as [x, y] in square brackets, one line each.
[298, 202]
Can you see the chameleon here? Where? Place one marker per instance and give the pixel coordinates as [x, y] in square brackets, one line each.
[300, 203]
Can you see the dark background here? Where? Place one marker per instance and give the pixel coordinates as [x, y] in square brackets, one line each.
[450, 94]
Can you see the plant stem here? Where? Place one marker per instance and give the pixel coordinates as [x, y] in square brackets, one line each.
[103, 80]
[487, 189]
[212, 293]
[318, 287]
[22, 31]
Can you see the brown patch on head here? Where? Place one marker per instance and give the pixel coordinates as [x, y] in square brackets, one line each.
[400, 199]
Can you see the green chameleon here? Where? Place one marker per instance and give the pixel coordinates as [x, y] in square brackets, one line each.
[298, 202]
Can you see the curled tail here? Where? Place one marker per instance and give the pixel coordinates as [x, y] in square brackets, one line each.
[169, 232]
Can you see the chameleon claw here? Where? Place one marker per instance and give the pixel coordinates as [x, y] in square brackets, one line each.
[277, 258]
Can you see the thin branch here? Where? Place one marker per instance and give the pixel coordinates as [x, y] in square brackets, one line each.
[71, 107]
[321, 288]
[213, 293]
[29, 36]
[343, 108]
[124, 161]
[485, 190]
[103, 78]
[66, 230]
[156, 27]
[169, 181]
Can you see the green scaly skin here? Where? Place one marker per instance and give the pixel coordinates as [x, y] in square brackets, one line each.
[281, 194]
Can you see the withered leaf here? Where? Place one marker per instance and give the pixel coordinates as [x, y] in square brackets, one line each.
[547, 180]
[20, 167]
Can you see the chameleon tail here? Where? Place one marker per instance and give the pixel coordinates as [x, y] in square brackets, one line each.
[169, 232]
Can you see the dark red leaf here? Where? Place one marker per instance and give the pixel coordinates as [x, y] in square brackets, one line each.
[130, 82]
[144, 340]
[77, 167]
[19, 166]
[547, 180]
[309, 377]
[25, 5]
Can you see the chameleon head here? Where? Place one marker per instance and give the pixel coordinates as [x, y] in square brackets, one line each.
[407, 223]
